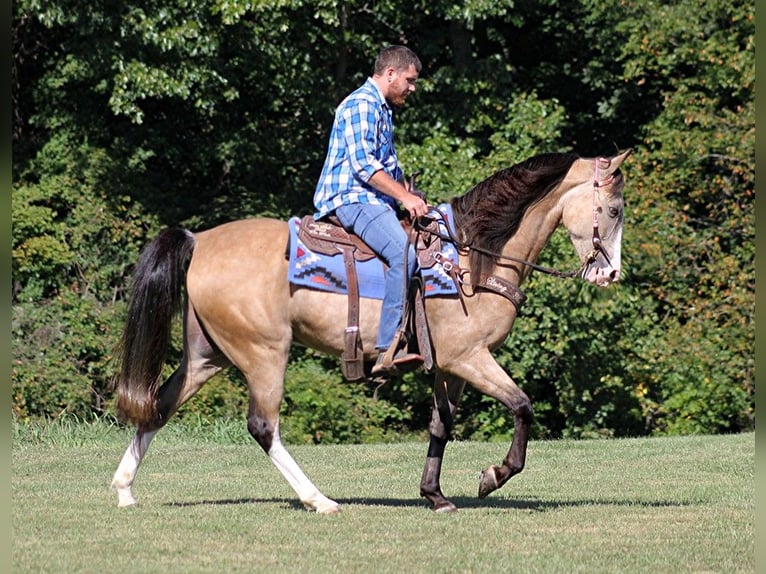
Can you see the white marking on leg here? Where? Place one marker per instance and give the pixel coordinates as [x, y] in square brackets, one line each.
[126, 471]
[308, 494]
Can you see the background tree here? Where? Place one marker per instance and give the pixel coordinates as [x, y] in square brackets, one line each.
[132, 116]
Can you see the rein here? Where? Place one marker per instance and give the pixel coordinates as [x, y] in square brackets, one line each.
[598, 246]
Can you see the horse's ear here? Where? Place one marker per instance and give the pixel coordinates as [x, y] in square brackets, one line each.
[616, 161]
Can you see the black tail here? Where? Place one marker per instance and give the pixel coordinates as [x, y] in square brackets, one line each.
[156, 297]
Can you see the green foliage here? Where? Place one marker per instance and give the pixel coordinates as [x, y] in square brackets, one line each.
[68, 229]
[321, 408]
[451, 165]
[72, 246]
[62, 352]
[694, 226]
[190, 114]
[224, 397]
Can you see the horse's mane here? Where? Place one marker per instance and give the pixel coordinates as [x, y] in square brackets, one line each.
[489, 214]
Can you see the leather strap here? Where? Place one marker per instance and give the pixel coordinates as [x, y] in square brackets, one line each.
[352, 362]
[421, 326]
[353, 287]
[504, 288]
[489, 282]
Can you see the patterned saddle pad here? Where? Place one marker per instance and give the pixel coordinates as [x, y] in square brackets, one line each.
[327, 272]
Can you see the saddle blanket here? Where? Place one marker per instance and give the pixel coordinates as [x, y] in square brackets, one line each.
[327, 272]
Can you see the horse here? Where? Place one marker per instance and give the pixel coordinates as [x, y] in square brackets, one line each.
[230, 285]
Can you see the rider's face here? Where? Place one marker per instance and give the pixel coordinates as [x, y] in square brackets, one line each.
[401, 83]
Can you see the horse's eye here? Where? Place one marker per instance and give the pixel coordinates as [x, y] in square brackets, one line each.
[613, 212]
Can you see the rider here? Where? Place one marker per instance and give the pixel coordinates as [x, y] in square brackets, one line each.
[361, 182]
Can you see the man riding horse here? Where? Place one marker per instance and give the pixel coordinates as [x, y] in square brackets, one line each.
[361, 184]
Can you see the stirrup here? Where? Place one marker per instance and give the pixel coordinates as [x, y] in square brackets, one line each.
[397, 357]
[402, 361]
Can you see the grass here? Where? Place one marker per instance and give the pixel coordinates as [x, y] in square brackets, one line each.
[214, 503]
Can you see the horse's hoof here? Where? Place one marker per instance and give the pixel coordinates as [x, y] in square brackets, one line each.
[325, 506]
[488, 481]
[437, 500]
[445, 507]
[127, 504]
[124, 496]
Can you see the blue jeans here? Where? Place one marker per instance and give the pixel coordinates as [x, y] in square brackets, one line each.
[379, 227]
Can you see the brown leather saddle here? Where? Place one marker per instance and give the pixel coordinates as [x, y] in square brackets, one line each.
[328, 237]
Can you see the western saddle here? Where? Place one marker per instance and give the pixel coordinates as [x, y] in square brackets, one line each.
[328, 237]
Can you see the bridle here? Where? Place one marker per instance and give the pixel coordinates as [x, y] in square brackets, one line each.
[598, 245]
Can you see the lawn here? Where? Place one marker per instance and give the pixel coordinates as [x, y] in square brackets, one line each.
[682, 504]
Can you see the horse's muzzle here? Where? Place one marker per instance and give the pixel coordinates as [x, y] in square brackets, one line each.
[601, 276]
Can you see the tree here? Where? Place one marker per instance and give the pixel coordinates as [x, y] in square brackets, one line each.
[695, 244]
[133, 116]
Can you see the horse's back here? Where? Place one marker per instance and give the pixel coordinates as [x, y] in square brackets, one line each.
[237, 247]
[243, 237]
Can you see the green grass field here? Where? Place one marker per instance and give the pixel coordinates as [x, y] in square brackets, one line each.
[216, 504]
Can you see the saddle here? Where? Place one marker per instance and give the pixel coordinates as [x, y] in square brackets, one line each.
[328, 237]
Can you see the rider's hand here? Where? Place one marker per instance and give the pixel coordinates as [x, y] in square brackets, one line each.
[414, 206]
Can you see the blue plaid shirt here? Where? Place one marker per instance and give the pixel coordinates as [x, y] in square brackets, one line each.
[361, 143]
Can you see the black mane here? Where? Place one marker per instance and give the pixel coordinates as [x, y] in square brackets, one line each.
[489, 214]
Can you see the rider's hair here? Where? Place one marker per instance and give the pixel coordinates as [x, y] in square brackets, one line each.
[397, 57]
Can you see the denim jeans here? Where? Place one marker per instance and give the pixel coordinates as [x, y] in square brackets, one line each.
[379, 227]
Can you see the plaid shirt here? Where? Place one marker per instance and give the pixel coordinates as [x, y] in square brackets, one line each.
[361, 143]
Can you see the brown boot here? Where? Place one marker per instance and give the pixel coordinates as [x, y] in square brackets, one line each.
[402, 361]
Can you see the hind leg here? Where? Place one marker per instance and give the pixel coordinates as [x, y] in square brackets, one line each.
[200, 362]
[122, 482]
[266, 384]
[308, 494]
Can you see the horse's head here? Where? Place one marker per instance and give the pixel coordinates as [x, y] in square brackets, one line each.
[593, 215]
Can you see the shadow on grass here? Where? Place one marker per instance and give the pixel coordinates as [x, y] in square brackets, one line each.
[462, 502]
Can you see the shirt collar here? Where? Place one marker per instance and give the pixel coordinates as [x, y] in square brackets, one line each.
[376, 90]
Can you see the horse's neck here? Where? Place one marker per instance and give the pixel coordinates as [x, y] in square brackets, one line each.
[535, 229]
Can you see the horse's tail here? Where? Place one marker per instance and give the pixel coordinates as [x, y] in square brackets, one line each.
[156, 298]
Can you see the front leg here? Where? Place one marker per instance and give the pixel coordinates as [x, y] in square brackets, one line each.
[495, 476]
[485, 375]
[446, 396]
[481, 371]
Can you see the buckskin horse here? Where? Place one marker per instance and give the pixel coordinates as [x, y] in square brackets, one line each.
[230, 283]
